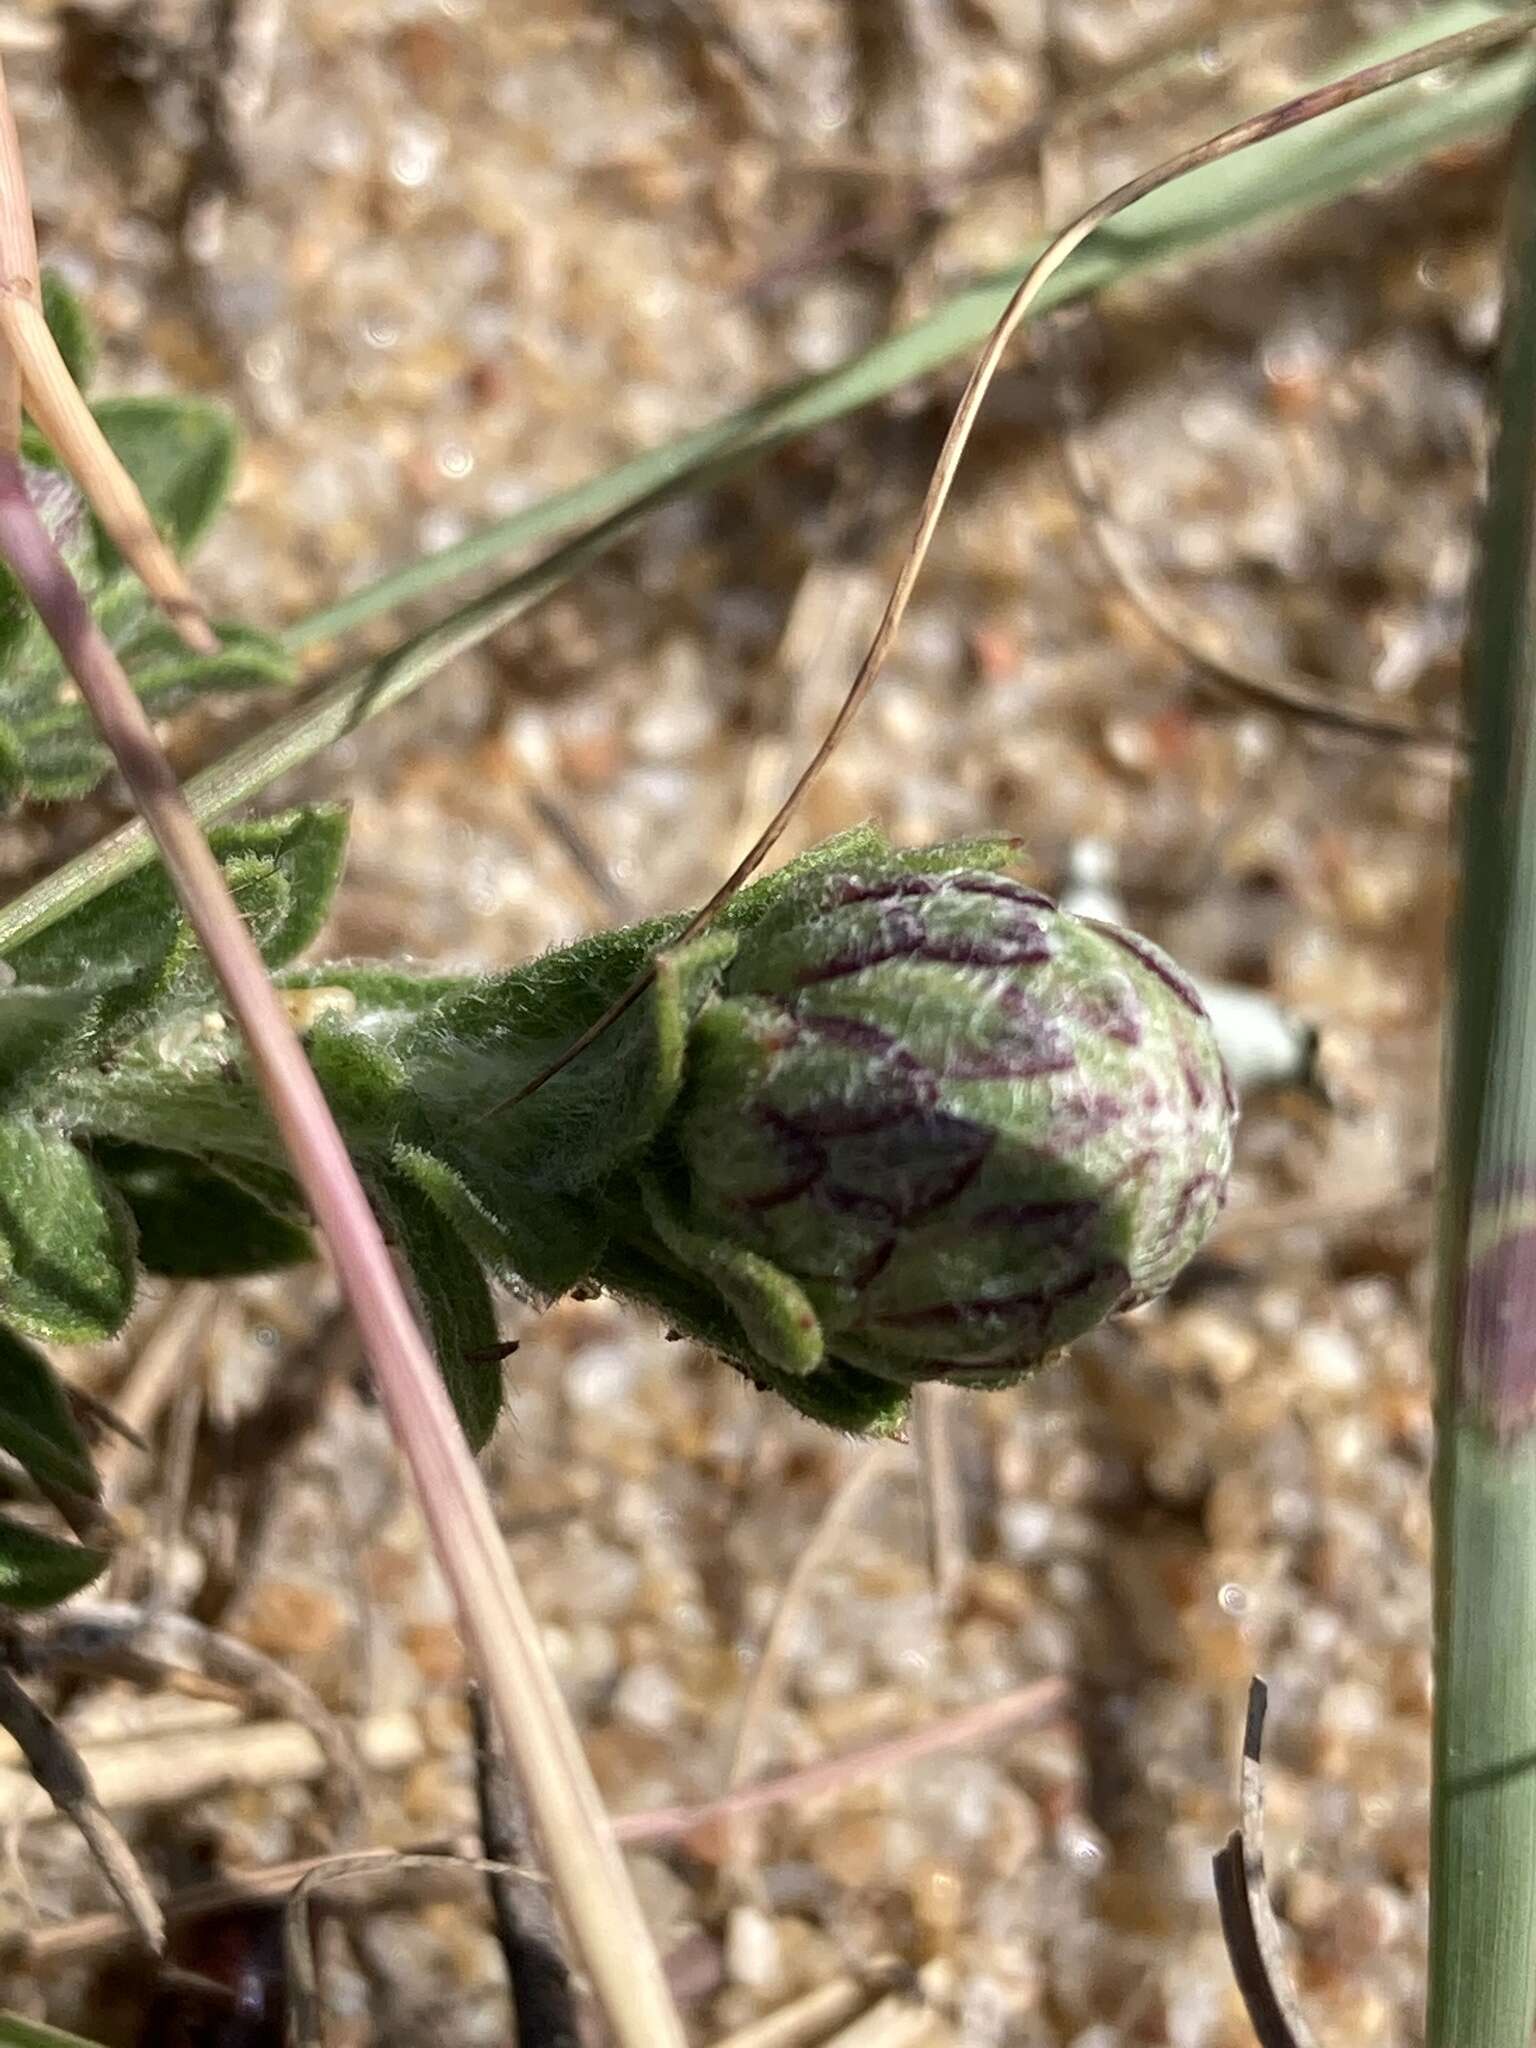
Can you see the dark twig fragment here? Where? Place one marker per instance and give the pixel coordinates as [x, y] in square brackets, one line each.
[52, 1760]
[1248, 1922]
[538, 1975]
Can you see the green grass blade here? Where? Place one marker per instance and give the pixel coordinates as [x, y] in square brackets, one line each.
[1482, 1983]
[1286, 175]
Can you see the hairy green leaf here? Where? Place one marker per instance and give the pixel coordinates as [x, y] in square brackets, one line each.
[195, 1224]
[133, 935]
[541, 1245]
[38, 1026]
[38, 1570]
[70, 326]
[839, 1396]
[181, 454]
[36, 1424]
[66, 1239]
[452, 1291]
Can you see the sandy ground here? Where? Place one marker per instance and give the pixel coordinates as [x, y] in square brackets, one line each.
[480, 252]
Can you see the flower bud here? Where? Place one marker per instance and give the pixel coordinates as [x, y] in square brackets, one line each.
[964, 1124]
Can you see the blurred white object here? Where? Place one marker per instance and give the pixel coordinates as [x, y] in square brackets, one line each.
[1264, 1044]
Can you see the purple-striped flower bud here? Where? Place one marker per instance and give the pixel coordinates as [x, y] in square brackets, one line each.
[964, 1124]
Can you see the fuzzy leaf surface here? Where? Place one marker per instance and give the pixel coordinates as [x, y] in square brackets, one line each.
[37, 1426]
[66, 1239]
[38, 1570]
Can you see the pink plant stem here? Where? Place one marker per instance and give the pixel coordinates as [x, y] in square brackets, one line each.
[584, 1862]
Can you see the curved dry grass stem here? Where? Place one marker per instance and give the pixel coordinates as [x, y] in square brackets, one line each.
[1289, 696]
[55, 1764]
[1292, 113]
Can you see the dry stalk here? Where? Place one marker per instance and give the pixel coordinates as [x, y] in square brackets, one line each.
[933, 1436]
[59, 1777]
[156, 1372]
[145, 1644]
[843, 1506]
[1307, 106]
[607, 1926]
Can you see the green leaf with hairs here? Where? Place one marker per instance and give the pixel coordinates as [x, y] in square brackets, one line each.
[70, 326]
[181, 454]
[134, 935]
[195, 1224]
[37, 1425]
[66, 1239]
[452, 1291]
[39, 1571]
[540, 1245]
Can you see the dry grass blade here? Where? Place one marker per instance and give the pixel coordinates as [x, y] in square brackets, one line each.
[1248, 1922]
[135, 1773]
[56, 1767]
[805, 2020]
[48, 1947]
[145, 1644]
[305, 2021]
[933, 1437]
[158, 1770]
[1307, 106]
[157, 1370]
[63, 414]
[1288, 696]
[844, 1505]
[1040, 1701]
[607, 1926]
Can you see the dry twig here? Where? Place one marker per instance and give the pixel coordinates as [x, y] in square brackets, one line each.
[1041, 1700]
[840, 1511]
[144, 1644]
[63, 415]
[146, 1773]
[805, 2020]
[157, 1370]
[150, 1771]
[538, 1976]
[305, 2023]
[943, 1511]
[60, 1775]
[1248, 1922]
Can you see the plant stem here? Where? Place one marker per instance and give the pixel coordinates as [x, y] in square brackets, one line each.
[1286, 175]
[1482, 1981]
[607, 1927]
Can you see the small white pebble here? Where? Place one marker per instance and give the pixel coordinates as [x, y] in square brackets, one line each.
[599, 1376]
[646, 1697]
[753, 1952]
[1329, 1358]
[1024, 1528]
